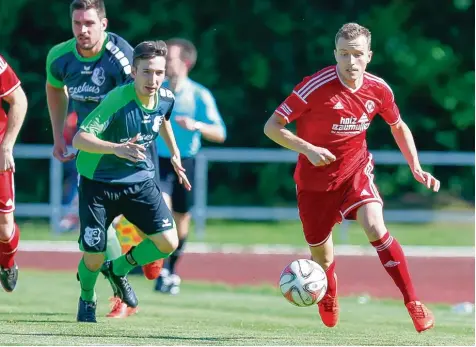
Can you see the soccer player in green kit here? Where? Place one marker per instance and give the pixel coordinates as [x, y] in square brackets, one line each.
[117, 176]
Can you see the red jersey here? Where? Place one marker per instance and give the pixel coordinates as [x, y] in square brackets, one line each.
[8, 83]
[331, 115]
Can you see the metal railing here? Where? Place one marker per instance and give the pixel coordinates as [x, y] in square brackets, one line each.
[53, 209]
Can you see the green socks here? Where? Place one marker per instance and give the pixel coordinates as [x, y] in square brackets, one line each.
[113, 249]
[87, 280]
[144, 253]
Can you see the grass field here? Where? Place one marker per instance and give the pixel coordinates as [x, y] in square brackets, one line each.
[42, 312]
[290, 233]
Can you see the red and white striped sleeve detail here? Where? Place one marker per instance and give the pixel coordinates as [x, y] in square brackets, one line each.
[8, 79]
[296, 103]
[388, 109]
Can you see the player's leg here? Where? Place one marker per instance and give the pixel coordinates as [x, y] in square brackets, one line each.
[182, 202]
[167, 183]
[9, 233]
[392, 257]
[363, 202]
[318, 212]
[148, 211]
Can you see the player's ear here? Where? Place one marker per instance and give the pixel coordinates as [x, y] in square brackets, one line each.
[335, 54]
[104, 23]
[133, 71]
[369, 56]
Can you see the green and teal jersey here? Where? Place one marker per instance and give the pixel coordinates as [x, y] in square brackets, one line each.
[119, 118]
[88, 80]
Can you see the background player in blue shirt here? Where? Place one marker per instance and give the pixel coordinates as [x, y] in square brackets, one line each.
[195, 114]
[83, 70]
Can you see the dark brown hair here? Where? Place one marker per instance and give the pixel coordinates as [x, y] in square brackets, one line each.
[148, 50]
[98, 5]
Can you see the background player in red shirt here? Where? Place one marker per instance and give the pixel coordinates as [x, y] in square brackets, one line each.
[10, 124]
[333, 109]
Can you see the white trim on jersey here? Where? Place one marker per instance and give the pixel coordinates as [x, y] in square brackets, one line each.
[282, 115]
[381, 81]
[315, 82]
[3, 65]
[396, 122]
[120, 56]
[10, 90]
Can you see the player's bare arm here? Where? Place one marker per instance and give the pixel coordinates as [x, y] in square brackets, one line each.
[57, 100]
[275, 129]
[129, 150]
[210, 132]
[404, 139]
[167, 134]
[16, 115]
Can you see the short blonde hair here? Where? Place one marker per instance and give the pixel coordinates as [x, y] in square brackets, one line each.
[351, 31]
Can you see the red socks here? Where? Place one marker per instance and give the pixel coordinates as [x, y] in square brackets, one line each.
[9, 248]
[331, 281]
[393, 260]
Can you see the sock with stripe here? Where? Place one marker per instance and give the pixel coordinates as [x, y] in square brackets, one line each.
[393, 260]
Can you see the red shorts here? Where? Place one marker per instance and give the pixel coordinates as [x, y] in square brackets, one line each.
[320, 211]
[7, 192]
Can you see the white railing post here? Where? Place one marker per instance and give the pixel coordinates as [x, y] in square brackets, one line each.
[201, 191]
[56, 193]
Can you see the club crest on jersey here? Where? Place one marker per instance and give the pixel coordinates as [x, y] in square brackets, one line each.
[351, 125]
[370, 106]
[157, 123]
[98, 76]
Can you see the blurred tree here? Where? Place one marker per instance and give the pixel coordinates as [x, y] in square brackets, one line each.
[252, 53]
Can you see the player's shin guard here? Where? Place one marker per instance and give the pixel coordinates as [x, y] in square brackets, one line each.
[144, 253]
[175, 256]
[393, 260]
[87, 280]
[8, 248]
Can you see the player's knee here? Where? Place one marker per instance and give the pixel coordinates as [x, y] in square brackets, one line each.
[167, 241]
[93, 261]
[6, 226]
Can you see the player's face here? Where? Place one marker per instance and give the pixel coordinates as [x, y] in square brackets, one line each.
[88, 28]
[175, 65]
[149, 75]
[352, 57]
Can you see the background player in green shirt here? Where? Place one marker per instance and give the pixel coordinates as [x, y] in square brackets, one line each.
[117, 171]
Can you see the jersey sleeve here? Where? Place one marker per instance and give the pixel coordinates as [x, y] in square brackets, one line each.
[100, 118]
[8, 79]
[122, 54]
[53, 73]
[294, 105]
[207, 110]
[389, 109]
[169, 112]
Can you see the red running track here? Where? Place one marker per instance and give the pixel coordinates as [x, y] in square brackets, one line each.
[446, 280]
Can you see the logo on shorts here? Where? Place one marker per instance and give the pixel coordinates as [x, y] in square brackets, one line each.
[92, 236]
[9, 203]
[166, 223]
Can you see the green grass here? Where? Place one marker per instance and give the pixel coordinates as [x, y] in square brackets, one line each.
[290, 233]
[42, 312]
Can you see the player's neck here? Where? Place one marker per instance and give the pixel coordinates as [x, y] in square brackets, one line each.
[351, 84]
[177, 83]
[93, 51]
[148, 102]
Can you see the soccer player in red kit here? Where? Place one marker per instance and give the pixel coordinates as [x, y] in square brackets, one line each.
[334, 174]
[10, 124]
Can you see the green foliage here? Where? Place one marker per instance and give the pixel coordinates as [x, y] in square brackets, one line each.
[252, 52]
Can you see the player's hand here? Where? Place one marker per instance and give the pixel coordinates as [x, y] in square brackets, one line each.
[319, 156]
[177, 163]
[186, 122]
[426, 178]
[130, 150]
[6, 159]
[60, 151]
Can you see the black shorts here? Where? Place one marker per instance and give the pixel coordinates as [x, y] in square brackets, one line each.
[99, 203]
[182, 199]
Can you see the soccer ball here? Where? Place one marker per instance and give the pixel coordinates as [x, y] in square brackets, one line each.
[303, 282]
